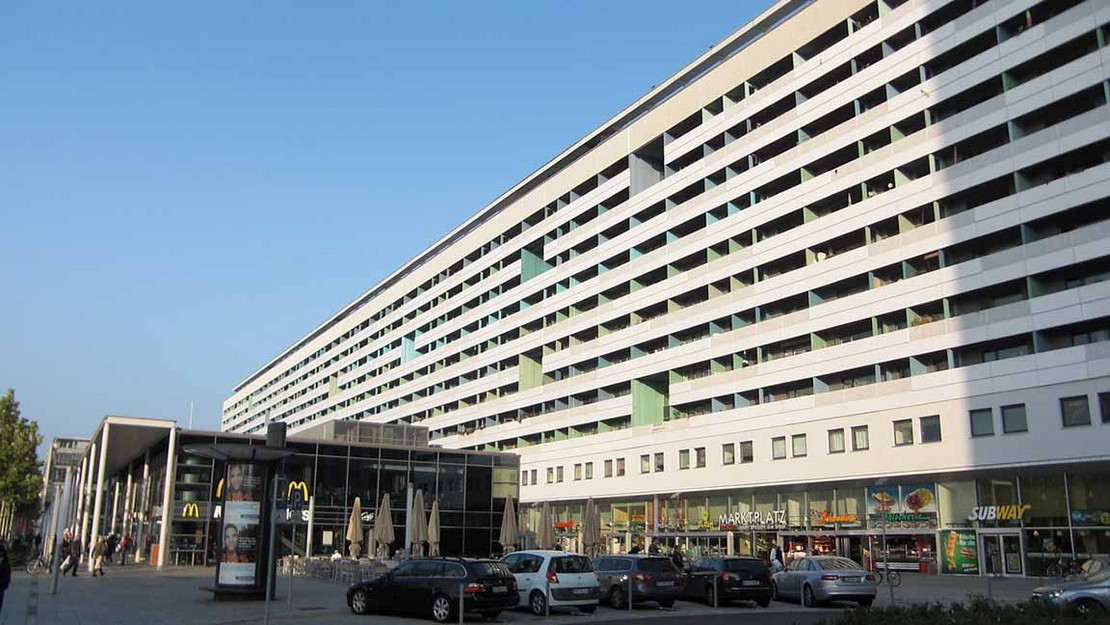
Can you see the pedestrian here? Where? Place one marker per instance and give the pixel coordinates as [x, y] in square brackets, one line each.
[635, 549]
[97, 555]
[676, 557]
[71, 549]
[653, 549]
[5, 575]
[113, 542]
[124, 545]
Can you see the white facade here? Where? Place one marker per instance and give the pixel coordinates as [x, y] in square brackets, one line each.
[846, 214]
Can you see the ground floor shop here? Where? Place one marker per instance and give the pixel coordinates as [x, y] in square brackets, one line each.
[1010, 523]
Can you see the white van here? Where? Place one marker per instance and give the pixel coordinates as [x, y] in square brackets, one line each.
[558, 578]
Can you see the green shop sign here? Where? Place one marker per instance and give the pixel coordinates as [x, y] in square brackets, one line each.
[959, 552]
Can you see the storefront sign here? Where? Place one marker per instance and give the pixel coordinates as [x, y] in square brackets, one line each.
[826, 517]
[905, 507]
[1090, 517]
[564, 525]
[959, 552]
[998, 513]
[749, 518]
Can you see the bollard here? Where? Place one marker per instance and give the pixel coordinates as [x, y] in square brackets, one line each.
[462, 593]
[547, 599]
[716, 592]
[629, 592]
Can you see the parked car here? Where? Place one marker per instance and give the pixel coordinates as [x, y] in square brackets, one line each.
[1089, 595]
[654, 578]
[815, 580]
[556, 577]
[721, 579]
[432, 586]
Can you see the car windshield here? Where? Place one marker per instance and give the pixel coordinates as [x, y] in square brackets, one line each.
[572, 564]
[488, 569]
[749, 566]
[657, 565]
[838, 564]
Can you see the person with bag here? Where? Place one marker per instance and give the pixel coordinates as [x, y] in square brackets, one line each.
[5, 575]
[71, 549]
[97, 555]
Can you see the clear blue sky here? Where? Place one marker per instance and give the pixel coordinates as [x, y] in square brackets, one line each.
[188, 187]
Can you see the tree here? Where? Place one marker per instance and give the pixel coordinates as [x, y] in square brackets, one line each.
[20, 469]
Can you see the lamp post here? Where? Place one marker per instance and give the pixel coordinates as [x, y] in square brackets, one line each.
[886, 562]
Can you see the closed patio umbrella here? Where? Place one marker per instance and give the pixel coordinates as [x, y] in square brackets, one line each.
[354, 528]
[545, 533]
[509, 532]
[433, 530]
[383, 528]
[419, 524]
[591, 529]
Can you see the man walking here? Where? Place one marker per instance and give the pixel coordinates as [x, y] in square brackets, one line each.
[97, 556]
[71, 549]
[124, 544]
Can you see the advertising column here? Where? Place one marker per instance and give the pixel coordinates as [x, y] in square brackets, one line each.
[241, 528]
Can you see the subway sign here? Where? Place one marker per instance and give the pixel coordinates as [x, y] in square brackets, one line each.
[998, 513]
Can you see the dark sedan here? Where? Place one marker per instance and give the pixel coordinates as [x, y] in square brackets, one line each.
[719, 580]
[639, 577]
[432, 586]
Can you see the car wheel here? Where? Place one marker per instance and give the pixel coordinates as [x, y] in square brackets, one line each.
[666, 603]
[866, 603]
[360, 602]
[587, 609]
[538, 603]
[808, 600]
[489, 615]
[441, 609]
[763, 603]
[616, 598]
[1087, 607]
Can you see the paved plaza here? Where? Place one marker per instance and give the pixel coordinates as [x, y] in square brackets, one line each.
[138, 595]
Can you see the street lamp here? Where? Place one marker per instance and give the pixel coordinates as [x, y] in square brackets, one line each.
[886, 562]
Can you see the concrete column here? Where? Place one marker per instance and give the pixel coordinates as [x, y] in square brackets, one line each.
[98, 496]
[83, 531]
[115, 507]
[167, 500]
[143, 501]
[71, 523]
[128, 500]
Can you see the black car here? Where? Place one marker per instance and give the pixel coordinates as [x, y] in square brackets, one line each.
[721, 579]
[653, 578]
[433, 586]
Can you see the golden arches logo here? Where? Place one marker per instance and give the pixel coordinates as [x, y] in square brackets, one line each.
[297, 486]
[191, 510]
[220, 488]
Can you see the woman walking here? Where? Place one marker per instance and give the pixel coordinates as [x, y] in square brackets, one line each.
[97, 555]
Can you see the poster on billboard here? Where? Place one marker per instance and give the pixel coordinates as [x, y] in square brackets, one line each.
[911, 506]
[240, 535]
[959, 552]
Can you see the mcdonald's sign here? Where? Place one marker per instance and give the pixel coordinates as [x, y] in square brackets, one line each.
[190, 511]
[220, 488]
[297, 486]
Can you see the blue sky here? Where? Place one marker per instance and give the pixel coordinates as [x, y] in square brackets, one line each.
[187, 188]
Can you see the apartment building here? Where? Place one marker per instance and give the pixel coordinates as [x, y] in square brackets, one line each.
[845, 272]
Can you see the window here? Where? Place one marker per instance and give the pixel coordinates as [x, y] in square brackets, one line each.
[778, 448]
[798, 445]
[836, 441]
[1013, 419]
[747, 452]
[860, 438]
[550, 475]
[728, 453]
[903, 432]
[559, 474]
[620, 467]
[1076, 411]
[684, 459]
[930, 429]
[1104, 406]
[577, 472]
[659, 462]
[645, 463]
[589, 470]
[523, 478]
[699, 457]
[982, 422]
[608, 468]
[534, 480]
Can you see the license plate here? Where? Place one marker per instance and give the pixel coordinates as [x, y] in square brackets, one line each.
[500, 589]
[750, 582]
[581, 591]
[854, 580]
[664, 583]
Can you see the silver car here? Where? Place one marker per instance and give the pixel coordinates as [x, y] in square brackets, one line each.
[818, 579]
[1090, 595]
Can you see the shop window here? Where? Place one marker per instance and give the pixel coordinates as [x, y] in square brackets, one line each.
[860, 438]
[836, 441]
[1013, 419]
[577, 472]
[1076, 411]
[747, 452]
[659, 462]
[982, 422]
[589, 470]
[1104, 406]
[728, 453]
[903, 432]
[608, 468]
[778, 448]
[645, 463]
[955, 502]
[998, 492]
[1047, 500]
[620, 467]
[699, 458]
[798, 445]
[930, 429]
[684, 459]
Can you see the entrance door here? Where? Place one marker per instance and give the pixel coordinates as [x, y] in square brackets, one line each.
[1002, 554]
[1011, 553]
